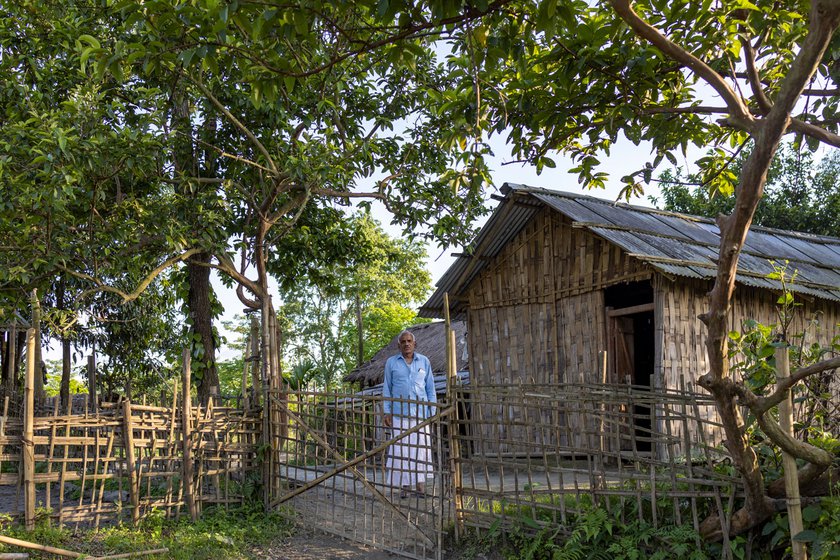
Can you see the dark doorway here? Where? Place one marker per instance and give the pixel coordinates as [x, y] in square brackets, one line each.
[630, 336]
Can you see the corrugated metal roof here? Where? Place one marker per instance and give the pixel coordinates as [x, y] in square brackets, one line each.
[674, 244]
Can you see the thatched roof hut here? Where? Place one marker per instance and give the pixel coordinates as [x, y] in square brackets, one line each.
[431, 342]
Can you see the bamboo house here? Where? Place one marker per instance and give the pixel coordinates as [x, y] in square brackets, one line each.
[554, 278]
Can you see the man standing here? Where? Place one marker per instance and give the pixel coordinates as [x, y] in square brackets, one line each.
[408, 376]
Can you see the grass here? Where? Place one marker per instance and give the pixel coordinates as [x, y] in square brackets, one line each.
[233, 534]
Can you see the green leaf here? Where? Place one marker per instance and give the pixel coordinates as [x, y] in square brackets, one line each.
[806, 536]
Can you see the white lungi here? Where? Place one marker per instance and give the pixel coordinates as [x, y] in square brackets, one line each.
[410, 459]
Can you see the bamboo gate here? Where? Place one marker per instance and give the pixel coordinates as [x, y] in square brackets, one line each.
[502, 457]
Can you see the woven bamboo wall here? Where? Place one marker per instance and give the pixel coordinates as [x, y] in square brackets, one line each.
[536, 314]
[684, 336]
[529, 309]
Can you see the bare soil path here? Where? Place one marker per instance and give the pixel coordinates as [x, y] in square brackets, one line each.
[313, 545]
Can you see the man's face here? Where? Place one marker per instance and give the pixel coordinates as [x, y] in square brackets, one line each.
[406, 345]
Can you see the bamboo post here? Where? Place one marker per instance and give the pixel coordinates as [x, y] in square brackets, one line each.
[254, 342]
[91, 374]
[602, 438]
[453, 421]
[244, 402]
[36, 325]
[28, 445]
[265, 372]
[794, 504]
[186, 428]
[133, 470]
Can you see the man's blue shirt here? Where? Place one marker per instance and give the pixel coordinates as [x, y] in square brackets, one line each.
[408, 381]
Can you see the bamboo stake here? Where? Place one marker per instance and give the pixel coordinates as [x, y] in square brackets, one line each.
[36, 326]
[453, 424]
[254, 345]
[794, 504]
[28, 446]
[187, 461]
[133, 467]
[14, 555]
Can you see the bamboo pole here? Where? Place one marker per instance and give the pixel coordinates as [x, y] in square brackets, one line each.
[254, 342]
[36, 326]
[69, 553]
[28, 445]
[42, 547]
[453, 423]
[133, 467]
[602, 438]
[794, 504]
[265, 372]
[186, 402]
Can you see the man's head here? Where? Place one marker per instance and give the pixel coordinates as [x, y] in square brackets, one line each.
[407, 343]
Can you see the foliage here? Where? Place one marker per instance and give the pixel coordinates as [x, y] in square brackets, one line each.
[596, 534]
[801, 193]
[372, 275]
[77, 386]
[219, 534]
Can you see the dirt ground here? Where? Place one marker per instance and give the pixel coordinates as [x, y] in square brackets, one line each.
[312, 545]
[315, 545]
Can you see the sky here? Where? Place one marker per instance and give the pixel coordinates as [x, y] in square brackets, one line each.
[624, 158]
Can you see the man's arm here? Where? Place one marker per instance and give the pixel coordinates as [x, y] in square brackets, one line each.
[431, 393]
[386, 396]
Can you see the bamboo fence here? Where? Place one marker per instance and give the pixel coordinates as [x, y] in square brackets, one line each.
[124, 460]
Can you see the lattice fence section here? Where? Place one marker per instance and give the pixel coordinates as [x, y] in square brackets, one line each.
[546, 453]
[331, 469]
[126, 460]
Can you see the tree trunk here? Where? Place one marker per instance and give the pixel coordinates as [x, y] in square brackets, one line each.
[64, 390]
[204, 367]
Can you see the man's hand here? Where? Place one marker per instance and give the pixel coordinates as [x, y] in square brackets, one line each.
[387, 420]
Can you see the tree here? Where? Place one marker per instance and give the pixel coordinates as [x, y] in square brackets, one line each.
[356, 302]
[801, 194]
[79, 169]
[574, 77]
[302, 100]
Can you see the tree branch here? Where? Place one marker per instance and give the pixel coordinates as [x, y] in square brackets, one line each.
[127, 297]
[763, 404]
[347, 194]
[764, 104]
[737, 109]
[798, 449]
[237, 123]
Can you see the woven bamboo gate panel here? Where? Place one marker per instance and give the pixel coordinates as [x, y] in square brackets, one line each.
[546, 452]
[125, 461]
[331, 469]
